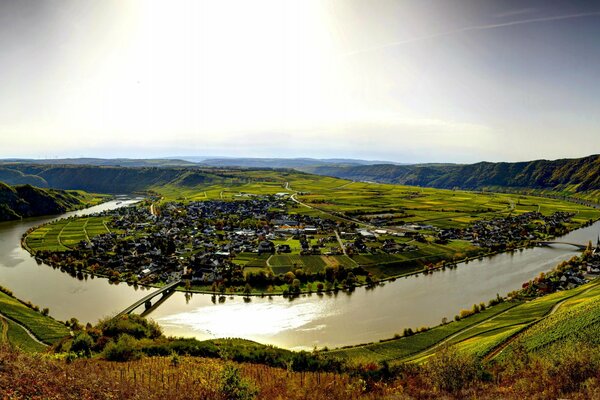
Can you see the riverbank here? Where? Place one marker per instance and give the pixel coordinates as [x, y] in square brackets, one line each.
[483, 330]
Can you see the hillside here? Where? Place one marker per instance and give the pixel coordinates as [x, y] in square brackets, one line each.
[28, 201]
[104, 179]
[570, 175]
[115, 162]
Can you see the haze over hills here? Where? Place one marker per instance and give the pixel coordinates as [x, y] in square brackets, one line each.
[124, 162]
[126, 175]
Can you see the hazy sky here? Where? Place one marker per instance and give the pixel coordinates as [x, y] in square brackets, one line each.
[408, 81]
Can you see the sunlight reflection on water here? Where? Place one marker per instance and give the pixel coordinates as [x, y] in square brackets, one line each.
[262, 319]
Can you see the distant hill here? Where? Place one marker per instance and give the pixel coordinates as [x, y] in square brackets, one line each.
[27, 201]
[573, 175]
[579, 176]
[111, 179]
[243, 162]
[284, 162]
[116, 162]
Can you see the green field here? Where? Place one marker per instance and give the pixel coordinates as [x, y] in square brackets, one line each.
[44, 328]
[397, 204]
[65, 234]
[402, 348]
[12, 333]
[577, 320]
[481, 333]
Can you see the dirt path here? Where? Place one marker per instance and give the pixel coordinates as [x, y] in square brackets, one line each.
[339, 239]
[87, 237]
[31, 335]
[4, 333]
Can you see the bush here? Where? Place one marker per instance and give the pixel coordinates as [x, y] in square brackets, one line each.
[450, 371]
[82, 344]
[234, 387]
[125, 349]
[132, 325]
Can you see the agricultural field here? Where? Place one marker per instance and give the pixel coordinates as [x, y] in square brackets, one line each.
[65, 234]
[372, 202]
[404, 347]
[398, 205]
[577, 319]
[44, 328]
[481, 333]
[13, 334]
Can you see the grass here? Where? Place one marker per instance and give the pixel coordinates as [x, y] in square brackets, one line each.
[483, 332]
[16, 336]
[577, 319]
[402, 348]
[65, 234]
[44, 328]
[485, 337]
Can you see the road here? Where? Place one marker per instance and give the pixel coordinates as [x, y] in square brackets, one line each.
[25, 329]
[339, 239]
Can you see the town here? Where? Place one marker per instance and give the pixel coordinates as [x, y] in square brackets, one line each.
[264, 244]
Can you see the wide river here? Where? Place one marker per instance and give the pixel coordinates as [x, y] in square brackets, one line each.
[302, 323]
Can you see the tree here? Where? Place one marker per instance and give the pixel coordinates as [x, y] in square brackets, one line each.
[233, 386]
[247, 289]
[82, 344]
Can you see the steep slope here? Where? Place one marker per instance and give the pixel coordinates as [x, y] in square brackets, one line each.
[28, 201]
[108, 179]
[576, 175]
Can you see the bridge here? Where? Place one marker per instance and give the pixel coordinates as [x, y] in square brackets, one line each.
[166, 291]
[549, 243]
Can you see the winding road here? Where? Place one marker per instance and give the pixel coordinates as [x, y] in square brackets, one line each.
[31, 335]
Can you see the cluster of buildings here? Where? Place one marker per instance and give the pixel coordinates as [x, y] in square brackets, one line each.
[199, 239]
[499, 233]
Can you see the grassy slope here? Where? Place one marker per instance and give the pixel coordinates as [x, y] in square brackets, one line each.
[44, 328]
[481, 333]
[577, 319]
[402, 348]
[575, 176]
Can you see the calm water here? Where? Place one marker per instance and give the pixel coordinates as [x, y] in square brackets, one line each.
[328, 320]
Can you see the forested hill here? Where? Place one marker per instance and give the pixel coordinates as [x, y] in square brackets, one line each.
[109, 179]
[28, 201]
[576, 175]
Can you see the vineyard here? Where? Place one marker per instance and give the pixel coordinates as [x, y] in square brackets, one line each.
[43, 377]
[65, 234]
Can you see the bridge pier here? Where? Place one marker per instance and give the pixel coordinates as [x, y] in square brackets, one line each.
[165, 291]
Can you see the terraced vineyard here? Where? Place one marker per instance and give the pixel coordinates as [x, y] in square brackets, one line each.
[65, 234]
[45, 329]
[577, 319]
[482, 333]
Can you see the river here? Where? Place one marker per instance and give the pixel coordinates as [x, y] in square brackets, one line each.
[302, 323]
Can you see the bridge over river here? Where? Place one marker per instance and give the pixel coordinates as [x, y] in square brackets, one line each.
[549, 243]
[166, 291]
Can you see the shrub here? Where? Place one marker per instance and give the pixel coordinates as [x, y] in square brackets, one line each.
[450, 371]
[125, 349]
[133, 325]
[82, 344]
[233, 386]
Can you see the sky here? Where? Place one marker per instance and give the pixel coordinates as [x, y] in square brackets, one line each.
[406, 81]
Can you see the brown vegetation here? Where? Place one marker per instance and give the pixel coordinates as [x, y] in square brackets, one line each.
[573, 372]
